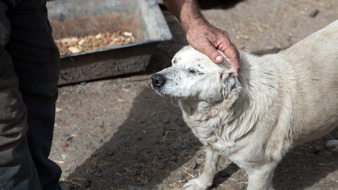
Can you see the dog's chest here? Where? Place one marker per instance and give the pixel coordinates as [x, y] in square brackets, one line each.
[210, 133]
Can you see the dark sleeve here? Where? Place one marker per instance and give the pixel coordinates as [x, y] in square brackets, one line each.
[10, 3]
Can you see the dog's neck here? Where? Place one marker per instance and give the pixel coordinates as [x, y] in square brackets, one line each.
[217, 121]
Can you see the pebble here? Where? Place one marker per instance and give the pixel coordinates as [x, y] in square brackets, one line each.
[159, 165]
[173, 158]
[110, 152]
[83, 83]
[313, 13]
[69, 139]
[101, 125]
[87, 183]
[63, 156]
[65, 144]
[98, 174]
[184, 146]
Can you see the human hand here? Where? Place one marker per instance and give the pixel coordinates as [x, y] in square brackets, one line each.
[201, 34]
[208, 39]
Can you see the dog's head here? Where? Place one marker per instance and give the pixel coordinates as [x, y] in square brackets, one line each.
[194, 76]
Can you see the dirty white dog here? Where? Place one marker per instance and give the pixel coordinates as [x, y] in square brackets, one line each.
[254, 117]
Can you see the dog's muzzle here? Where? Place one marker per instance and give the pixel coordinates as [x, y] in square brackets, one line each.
[158, 80]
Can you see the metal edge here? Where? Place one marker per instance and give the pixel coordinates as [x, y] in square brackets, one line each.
[158, 19]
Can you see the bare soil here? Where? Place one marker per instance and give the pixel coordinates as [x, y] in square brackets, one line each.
[118, 134]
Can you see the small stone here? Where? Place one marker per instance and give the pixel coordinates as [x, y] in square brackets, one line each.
[98, 174]
[63, 156]
[313, 13]
[184, 146]
[87, 183]
[173, 158]
[110, 152]
[101, 125]
[159, 165]
[65, 144]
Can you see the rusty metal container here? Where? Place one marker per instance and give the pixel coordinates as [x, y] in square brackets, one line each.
[89, 17]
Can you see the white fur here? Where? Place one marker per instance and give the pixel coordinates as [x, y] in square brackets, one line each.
[254, 117]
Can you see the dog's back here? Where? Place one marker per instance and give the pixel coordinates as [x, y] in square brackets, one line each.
[316, 102]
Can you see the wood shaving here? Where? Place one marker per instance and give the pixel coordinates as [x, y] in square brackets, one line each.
[93, 42]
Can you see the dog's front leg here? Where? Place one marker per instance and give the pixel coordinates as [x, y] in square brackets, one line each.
[204, 181]
[260, 177]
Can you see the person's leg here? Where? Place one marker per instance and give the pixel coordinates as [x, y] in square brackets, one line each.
[17, 170]
[36, 60]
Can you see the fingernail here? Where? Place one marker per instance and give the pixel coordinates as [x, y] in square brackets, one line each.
[219, 59]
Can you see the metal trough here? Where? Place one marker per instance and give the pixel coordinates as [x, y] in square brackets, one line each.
[89, 17]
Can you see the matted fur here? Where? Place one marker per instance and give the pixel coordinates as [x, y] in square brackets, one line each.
[254, 117]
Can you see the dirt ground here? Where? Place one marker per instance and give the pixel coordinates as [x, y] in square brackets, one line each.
[118, 134]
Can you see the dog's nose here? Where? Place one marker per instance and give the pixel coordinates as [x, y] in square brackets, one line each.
[158, 80]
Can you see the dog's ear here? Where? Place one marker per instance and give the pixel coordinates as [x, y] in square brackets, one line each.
[229, 83]
[231, 89]
[228, 76]
[227, 66]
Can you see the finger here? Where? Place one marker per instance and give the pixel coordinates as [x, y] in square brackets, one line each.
[205, 47]
[231, 52]
[213, 54]
[217, 57]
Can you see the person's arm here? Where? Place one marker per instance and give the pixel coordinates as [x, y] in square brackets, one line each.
[201, 34]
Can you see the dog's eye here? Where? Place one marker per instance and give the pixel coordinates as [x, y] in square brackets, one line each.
[192, 71]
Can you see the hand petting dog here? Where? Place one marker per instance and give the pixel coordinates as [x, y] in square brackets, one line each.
[201, 35]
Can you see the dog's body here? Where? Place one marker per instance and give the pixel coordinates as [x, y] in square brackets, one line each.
[275, 102]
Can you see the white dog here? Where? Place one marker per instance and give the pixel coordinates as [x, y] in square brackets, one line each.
[254, 117]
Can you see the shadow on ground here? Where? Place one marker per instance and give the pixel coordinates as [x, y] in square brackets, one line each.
[150, 144]
[154, 142]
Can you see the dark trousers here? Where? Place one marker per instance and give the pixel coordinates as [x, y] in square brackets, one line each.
[29, 71]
